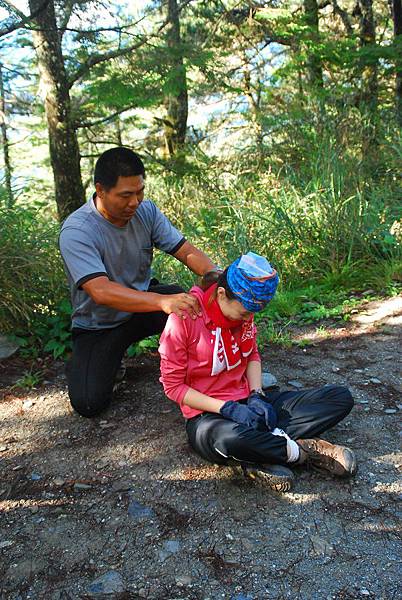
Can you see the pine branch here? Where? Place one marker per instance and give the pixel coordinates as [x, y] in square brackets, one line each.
[24, 19]
[97, 59]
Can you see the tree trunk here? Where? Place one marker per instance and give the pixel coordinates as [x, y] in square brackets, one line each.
[176, 99]
[254, 102]
[369, 67]
[4, 137]
[63, 144]
[314, 67]
[397, 17]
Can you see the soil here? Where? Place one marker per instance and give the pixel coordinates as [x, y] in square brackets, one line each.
[120, 507]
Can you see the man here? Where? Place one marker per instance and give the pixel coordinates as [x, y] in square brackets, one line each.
[107, 247]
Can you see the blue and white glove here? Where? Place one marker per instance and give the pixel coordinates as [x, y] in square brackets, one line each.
[260, 405]
[242, 414]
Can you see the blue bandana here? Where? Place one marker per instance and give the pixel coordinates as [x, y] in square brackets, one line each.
[254, 290]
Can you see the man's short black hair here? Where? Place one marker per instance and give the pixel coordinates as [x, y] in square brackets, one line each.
[115, 163]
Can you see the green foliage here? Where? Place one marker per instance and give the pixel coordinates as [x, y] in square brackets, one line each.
[31, 276]
[150, 344]
[29, 380]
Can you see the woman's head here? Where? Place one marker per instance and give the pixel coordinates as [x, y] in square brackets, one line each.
[245, 287]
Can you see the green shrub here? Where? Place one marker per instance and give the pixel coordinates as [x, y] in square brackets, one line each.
[32, 281]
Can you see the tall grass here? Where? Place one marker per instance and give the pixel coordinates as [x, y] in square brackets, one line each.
[31, 278]
[327, 221]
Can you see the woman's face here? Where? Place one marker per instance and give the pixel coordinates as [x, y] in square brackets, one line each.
[232, 309]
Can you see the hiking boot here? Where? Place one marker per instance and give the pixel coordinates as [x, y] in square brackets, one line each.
[276, 477]
[338, 460]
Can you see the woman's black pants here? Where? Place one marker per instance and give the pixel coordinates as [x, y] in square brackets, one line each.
[97, 356]
[302, 414]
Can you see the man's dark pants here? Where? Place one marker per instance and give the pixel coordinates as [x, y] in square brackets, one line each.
[97, 355]
[302, 414]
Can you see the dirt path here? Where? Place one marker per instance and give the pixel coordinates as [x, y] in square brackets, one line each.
[120, 507]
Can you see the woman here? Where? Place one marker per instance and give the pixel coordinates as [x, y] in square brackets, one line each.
[211, 367]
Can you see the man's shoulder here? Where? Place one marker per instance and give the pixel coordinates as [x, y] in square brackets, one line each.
[147, 209]
[81, 218]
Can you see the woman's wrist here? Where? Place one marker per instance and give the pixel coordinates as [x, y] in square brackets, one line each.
[257, 390]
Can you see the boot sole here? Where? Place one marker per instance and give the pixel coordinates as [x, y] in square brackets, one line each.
[277, 483]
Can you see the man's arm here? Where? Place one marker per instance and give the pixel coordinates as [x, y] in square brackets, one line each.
[112, 294]
[194, 259]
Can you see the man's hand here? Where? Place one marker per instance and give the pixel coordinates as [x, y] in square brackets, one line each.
[181, 305]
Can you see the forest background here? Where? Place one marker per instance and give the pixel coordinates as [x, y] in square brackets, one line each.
[265, 126]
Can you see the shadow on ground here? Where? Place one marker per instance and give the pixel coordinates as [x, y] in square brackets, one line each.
[119, 507]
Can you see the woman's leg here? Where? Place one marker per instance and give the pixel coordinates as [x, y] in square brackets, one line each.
[259, 454]
[308, 413]
[221, 441]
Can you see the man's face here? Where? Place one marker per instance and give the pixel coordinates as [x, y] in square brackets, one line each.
[119, 203]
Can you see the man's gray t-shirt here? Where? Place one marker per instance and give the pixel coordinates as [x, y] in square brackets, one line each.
[92, 246]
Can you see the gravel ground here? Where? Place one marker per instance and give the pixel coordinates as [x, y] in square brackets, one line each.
[119, 507]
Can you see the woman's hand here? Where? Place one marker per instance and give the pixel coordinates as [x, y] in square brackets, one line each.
[258, 403]
[242, 414]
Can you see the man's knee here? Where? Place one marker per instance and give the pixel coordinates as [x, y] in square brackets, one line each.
[90, 407]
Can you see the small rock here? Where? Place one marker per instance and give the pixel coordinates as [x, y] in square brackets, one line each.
[106, 425]
[296, 384]
[172, 546]
[7, 347]
[364, 592]
[335, 369]
[375, 380]
[81, 486]
[6, 544]
[390, 411]
[183, 580]
[3, 448]
[321, 546]
[268, 380]
[108, 584]
[138, 511]
[121, 486]
[354, 311]
[59, 481]
[399, 406]
[34, 509]
[35, 476]
[27, 404]
[358, 370]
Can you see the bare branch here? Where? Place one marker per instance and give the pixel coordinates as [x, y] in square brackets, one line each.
[89, 124]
